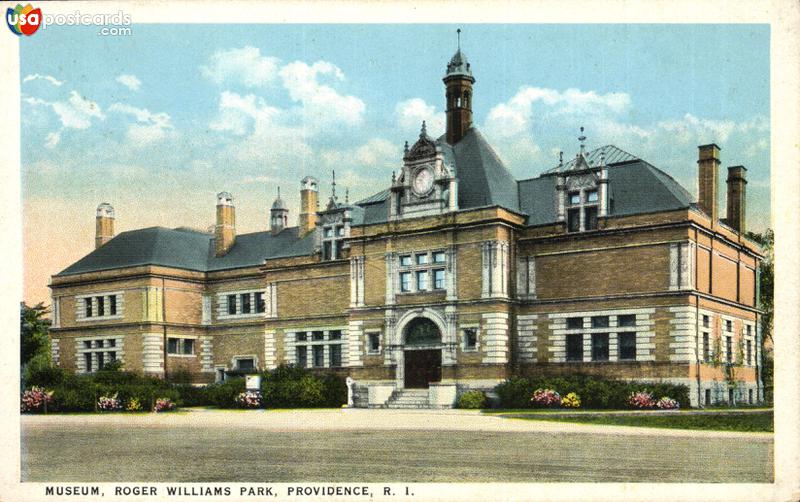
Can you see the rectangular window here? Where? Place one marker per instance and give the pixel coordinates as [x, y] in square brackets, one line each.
[87, 302]
[245, 364]
[600, 321]
[111, 342]
[317, 336]
[172, 345]
[750, 396]
[422, 280]
[87, 344]
[327, 251]
[749, 352]
[728, 349]
[731, 396]
[438, 257]
[405, 282]
[335, 355]
[708, 397]
[599, 346]
[245, 298]
[573, 220]
[231, 304]
[340, 231]
[327, 232]
[112, 356]
[336, 335]
[470, 339]
[728, 325]
[87, 361]
[575, 323]
[574, 197]
[591, 218]
[627, 346]
[301, 336]
[748, 330]
[405, 261]
[339, 250]
[626, 321]
[187, 346]
[374, 342]
[101, 306]
[574, 347]
[260, 304]
[302, 356]
[706, 347]
[319, 355]
[422, 259]
[438, 278]
[591, 196]
[706, 321]
[100, 361]
[112, 305]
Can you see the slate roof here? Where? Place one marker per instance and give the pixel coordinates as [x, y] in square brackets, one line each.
[635, 186]
[190, 250]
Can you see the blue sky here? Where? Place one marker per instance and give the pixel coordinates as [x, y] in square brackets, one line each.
[157, 122]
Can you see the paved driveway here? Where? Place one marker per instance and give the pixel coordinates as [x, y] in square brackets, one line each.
[377, 446]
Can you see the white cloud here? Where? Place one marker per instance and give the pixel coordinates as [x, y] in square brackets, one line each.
[321, 104]
[375, 153]
[238, 113]
[130, 81]
[77, 112]
[411, 112]
[53, 139]
[245, 65]
[36, 76]
[149, 127]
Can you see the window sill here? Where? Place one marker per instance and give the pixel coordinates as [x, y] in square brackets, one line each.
[181, 355]
[100, 318]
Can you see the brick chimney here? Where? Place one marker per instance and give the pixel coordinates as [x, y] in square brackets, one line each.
[308, 204]
[225, 229]
[104, 224]
[708, 164]
[737, 185]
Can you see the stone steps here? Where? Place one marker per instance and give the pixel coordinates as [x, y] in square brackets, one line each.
[409, 399]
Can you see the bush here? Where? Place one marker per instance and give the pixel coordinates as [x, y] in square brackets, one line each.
[189, 395]
[180, 376]
[665, 403]
[223, 394]
[35, 400]
[109, 403]
[641, 400]
[249, 399]
[472, 400]
[594, 392]
[571, 400]
[334, 391]
[76, 398]
[546, 398]
[163, 404]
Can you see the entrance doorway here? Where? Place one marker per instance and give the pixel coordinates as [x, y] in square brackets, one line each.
[422, 367]
[423, 355]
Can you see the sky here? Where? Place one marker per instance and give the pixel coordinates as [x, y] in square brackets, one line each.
[157, 122]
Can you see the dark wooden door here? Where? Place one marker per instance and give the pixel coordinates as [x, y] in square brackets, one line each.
[422, 367]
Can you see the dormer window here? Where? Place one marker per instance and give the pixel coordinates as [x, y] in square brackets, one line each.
[591, 196]
[574, 198]
[333, 242]
[582, 210]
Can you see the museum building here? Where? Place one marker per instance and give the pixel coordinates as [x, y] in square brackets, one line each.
[455, 277]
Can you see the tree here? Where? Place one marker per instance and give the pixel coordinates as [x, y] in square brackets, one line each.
[766, 304]
[33, 328]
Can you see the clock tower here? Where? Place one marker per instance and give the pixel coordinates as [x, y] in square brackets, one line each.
[426, 185]
[458, 81]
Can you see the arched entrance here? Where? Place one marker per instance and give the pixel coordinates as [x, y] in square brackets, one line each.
[422, 353]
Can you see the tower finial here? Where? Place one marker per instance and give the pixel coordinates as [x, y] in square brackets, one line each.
[458, 36]
[279, 191]
[424, 130]
[560, 158]
[582, 138]
[347, 195]
[333, 185]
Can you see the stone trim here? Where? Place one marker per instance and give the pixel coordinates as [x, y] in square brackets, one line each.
[270, 303]
[270, 350]
[644, 329]
[682, 334]
[153, 353]
[526, 337]
[55, 353]
[80, 306]
[357, 281]
[495, 337]
[206, 354]
[80, 350]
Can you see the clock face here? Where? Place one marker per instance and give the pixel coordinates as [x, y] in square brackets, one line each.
[423, 181]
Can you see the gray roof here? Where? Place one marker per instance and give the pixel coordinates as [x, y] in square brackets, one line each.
[190, 250]
[613, 155]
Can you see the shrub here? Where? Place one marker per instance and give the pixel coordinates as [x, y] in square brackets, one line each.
[35, 400]
[472, 400]
[515, 393]
[641, 400]
[249, 399]
[571, 400]
[334, 391]
[46, 376]
[76, 398]
[109, 403]
[163, 404]
[666, 403]
[223, 394]
[180, 376]
[133, 405]
[546, 398]
[189, 395]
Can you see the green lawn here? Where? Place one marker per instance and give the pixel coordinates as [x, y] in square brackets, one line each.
[719, 421]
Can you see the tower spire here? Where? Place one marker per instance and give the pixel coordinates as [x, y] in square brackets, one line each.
[333, 185]
[458, 37]
[582, 139]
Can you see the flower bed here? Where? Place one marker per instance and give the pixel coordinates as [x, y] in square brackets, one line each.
[249, 399]
[546, 398]
[109, 403]
[35, 400]
[163, 404]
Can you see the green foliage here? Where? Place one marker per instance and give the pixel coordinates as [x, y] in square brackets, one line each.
[180, 376]
[334, 391]
[34, 340]
[189, 395]
[472, 400]
[74, 398]
[223, 394]
[595, 392]
[289, 386]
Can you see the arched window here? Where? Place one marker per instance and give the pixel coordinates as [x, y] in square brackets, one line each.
[422, 331]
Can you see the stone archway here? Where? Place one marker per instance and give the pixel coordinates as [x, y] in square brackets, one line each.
[422, 353]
